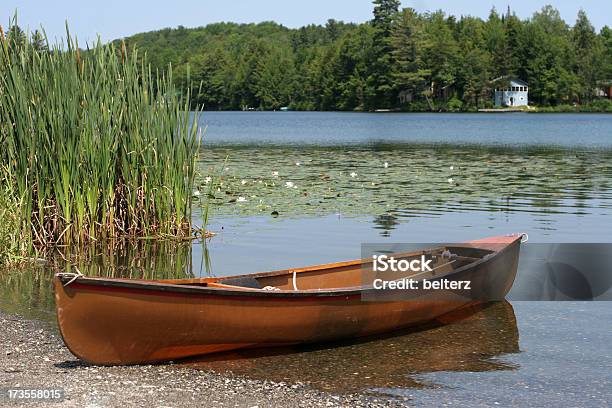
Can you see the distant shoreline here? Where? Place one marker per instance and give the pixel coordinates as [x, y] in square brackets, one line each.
[480, 111]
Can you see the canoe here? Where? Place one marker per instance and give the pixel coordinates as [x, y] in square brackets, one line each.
[125, 322]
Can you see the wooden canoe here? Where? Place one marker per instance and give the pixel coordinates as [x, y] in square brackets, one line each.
[122, 322]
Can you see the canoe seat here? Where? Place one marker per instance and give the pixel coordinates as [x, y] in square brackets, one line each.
[243, 282]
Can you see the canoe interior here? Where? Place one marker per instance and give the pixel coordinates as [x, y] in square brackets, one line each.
[352, 274]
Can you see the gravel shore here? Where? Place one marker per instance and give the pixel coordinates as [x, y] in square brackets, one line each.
[32, 355]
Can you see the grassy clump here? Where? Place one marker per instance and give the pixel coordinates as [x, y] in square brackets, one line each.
[13, 246]
[99, 146]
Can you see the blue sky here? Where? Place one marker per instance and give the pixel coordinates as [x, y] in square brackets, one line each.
[118, 18]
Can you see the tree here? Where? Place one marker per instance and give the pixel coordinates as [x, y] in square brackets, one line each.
[474, 62]
[16, 37]
[514, 27]
[352, 68]
[209, 79]
[408, 41]
[497, 45]
[273, 79]
[385, 12]
[441, 54]
[332, 29]
[380, 92]
[38, 41]
[445, 60]
[589, 55]
[606, 40]
[549, 59]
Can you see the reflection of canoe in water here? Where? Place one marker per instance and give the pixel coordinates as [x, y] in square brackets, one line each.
[471, 339]
[115, 321]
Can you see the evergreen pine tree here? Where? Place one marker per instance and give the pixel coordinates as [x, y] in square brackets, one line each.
[380, 89]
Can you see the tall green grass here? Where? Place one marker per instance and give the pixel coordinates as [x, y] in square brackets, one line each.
[13, 246]
[97, 145]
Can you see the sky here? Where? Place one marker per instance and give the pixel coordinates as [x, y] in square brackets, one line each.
[113, 19]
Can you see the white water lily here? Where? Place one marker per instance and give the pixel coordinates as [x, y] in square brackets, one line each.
[450, 180]
[243, 182]
[289, 184]
[452, 167]
[353, 174]
[196, 193]
[208, 179]
[298, 163]
[386, 165]
[275, 173]
[241, 199]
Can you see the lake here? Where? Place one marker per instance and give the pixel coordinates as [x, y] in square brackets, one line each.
[293, 189]
[346, 128]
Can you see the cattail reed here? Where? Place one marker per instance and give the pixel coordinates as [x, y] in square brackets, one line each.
[97, 146]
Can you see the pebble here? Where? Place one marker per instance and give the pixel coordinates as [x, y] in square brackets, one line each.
[155, 386]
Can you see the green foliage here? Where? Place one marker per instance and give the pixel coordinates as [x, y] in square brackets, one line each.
[600, 105]
[454, 105]
[380, 79]
[97, 145]
[13, 244]
[606, 43]
[409, 45]
[38, 41]
[431, 57]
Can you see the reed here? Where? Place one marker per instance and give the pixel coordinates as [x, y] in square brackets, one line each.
[97, 145]
[13, 246]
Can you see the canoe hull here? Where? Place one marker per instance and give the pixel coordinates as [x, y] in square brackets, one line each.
[110, 323]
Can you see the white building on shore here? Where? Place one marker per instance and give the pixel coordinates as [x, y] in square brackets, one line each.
[511, 92]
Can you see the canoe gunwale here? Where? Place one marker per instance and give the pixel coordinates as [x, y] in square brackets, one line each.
[160, 287]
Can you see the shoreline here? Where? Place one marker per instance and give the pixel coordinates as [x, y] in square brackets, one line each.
[33, 355]
[539, 111]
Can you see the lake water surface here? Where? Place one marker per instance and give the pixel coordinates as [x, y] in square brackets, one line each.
[293, 189]
[344, 128]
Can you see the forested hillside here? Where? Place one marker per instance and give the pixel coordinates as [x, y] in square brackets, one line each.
[434, 61]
